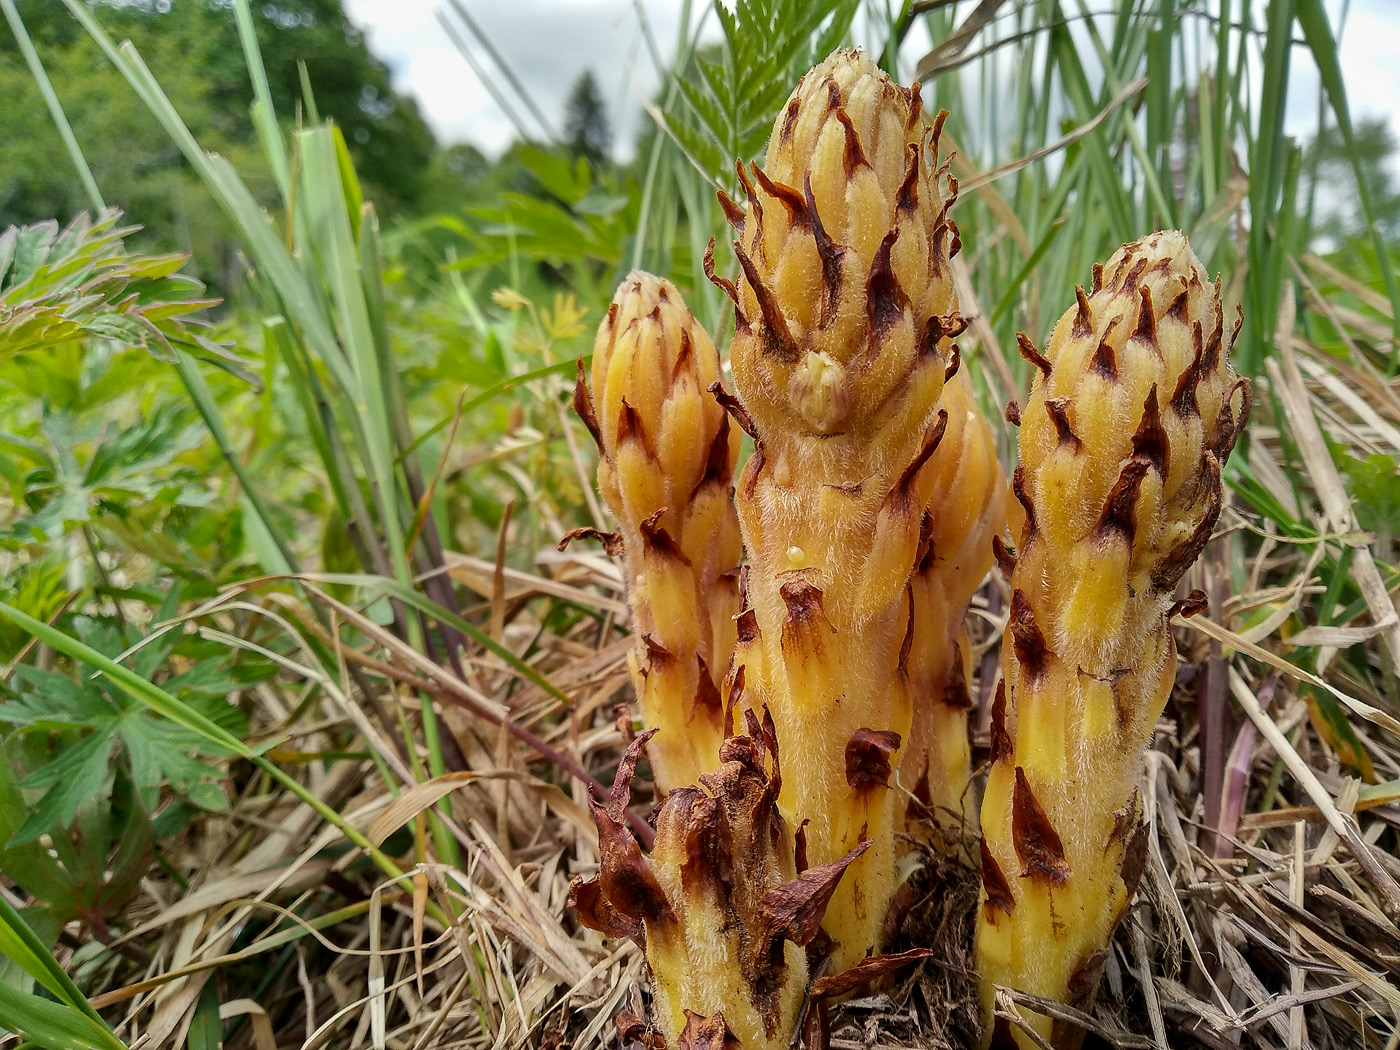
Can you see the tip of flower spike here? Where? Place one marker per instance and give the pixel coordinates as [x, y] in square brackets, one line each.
[829, 252]
[724, 284]
[787, 196]
[789, 119]
[1002, 746]
[1119, 516]
[778, 340]
[864, 973]
[1173, 566]
[1183, 400]
[1026, 637]
[1151, 443]
[1023, 497]
[588, 902]
[1058, 408]
[994, 884]
[583, 402]
[735, 408]
[1083, 316]
[795, 909]
[885, 300]
[733, 214]
[1146, 330]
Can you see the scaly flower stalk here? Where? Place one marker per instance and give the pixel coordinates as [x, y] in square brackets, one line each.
[968, 508]
[844, 317]
[720, 907]
[1133, 411]
[666, 466]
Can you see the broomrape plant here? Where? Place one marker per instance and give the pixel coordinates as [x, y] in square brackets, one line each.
[666, 473]
[1134, 409]
[871, 509]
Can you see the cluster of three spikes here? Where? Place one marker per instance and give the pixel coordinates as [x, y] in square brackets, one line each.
[799, 707]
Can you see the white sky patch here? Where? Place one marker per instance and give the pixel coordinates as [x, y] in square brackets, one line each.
[548, 43]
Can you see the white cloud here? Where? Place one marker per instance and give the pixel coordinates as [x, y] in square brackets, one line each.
[1370, 43]
[550, 42]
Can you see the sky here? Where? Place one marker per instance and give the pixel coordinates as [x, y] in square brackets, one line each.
[549, 43]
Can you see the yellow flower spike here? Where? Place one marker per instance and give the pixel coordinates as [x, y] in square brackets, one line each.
[1133, 410]
[844, 320]
[720, 907]
[666, 462]
[968, 508]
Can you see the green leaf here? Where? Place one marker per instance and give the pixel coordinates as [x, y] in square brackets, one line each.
[52, 1025]
[70, 1022]
[78, 777]
[206, 1030]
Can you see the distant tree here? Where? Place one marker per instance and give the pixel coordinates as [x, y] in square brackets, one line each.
[193, 49]
[391, 143]
[586, 129]
[466, 162]
[1337, 205]
[136, 165]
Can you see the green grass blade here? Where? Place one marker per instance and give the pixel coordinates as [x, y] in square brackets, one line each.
[264, 115]
[51, 1025]
[208, 409]
[1267, 159]
[1317, 32]
[325, 209]
[22, 946]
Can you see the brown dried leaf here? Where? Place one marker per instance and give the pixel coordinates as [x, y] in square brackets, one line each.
[706, 1033]
[994, 882]
[868, 758]
[865, 973]
[586, 898]
[795, 909]
[611, 541]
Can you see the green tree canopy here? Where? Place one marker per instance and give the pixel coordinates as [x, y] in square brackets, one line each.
[192, 46]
